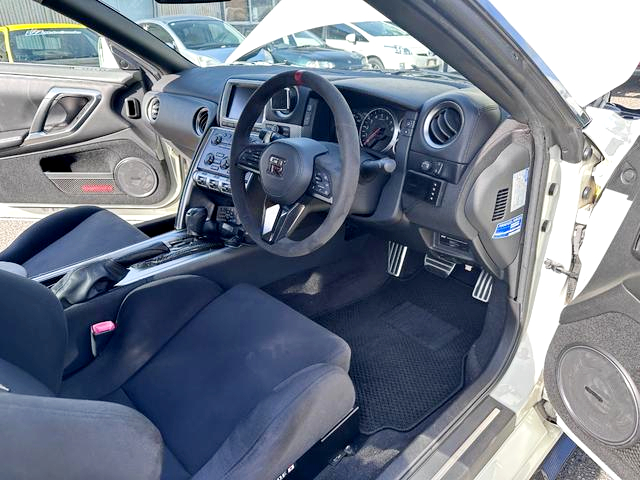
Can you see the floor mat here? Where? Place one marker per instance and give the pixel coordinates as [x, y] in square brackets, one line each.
[330, 287]
[408, 342]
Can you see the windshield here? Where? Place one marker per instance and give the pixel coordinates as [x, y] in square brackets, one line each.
[70, 45]
[206, 34]
[337, 34]
[382, 29]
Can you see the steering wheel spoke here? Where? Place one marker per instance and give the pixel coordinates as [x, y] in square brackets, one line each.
[249, 158]
[326, 174]
[298, 175]
[279, 221]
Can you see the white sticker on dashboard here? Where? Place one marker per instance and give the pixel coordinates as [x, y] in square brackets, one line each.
[519, 189]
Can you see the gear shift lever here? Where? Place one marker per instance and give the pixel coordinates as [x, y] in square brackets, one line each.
[195, 219]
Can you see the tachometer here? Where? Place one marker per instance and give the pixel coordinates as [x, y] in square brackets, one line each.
[379, 130]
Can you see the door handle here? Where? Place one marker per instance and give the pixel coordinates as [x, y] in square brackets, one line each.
[37, 132]
[12, 141]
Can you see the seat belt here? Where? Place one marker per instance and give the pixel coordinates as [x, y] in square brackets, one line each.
[100, 335]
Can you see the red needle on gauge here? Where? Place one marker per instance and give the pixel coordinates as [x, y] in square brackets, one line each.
[371, 136]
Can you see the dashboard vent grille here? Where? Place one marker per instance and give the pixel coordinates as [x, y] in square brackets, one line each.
[443, 124]
[501, 205]
[201, 121]
[153, 109]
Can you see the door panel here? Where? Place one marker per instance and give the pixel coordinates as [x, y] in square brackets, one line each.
[78, 136]
[592, 370]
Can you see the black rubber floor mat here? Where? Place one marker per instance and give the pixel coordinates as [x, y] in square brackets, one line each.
[408, 342]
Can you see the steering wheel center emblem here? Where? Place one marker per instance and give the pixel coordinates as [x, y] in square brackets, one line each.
[276, 166]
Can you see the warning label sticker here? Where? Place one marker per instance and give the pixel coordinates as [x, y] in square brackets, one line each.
[508, 227]
[519, 189]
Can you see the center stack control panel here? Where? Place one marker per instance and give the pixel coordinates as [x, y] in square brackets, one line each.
[212, 169]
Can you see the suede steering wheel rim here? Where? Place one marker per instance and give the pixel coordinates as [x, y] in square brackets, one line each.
[288, 169]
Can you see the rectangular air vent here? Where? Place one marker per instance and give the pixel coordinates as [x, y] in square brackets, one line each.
[501, 205]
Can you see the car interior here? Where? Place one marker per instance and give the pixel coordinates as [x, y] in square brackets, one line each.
[340, 270]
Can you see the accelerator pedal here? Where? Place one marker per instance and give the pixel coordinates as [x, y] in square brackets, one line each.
[395, 258]
[483, 287]
[438, 266]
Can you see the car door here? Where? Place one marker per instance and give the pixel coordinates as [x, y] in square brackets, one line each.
[592, 368]
[73, 135]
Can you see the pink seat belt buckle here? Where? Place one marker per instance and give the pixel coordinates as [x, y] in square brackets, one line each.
[103, 327]
[100, 335]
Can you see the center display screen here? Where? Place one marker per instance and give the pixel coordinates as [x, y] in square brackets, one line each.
[238, 100]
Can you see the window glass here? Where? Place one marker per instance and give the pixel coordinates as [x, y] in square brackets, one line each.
[382, 29]
[338, 32]
[206, 34]
[307, 39]
[158, 31]
[54, 44]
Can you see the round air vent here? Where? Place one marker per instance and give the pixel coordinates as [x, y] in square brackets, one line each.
[153, 109]
[443, 124]
[200, 121]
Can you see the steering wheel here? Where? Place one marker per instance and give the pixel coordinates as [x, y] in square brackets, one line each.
[298, 175]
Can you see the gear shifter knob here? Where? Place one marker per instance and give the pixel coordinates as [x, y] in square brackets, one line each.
[195, 219]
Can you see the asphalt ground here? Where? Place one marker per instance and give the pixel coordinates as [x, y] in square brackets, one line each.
[10, 229]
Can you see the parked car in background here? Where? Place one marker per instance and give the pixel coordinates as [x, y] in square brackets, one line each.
[206, 41]
[64, 43]
[305, 49]
[384, 44]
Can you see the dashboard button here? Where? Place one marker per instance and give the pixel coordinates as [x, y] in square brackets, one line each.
[426, 166]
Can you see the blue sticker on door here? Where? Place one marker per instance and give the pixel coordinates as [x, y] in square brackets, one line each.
[508, 227]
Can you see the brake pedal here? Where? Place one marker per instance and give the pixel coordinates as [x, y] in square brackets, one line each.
[438, 266]
[484, 286]
[395, 258]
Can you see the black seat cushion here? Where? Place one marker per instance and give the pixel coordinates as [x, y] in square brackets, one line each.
[218, 385]
[236, 384]
[70, 236]
[223, 375]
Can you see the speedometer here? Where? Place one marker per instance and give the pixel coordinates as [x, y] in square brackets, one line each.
[379, 130]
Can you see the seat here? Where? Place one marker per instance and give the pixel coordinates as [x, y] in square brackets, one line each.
[194, 383]
[68, 237]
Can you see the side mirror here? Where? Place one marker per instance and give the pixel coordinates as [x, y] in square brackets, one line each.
[351, 38]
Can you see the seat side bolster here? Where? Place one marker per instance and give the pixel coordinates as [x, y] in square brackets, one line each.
[44, 232]
[284, 425]
[148, 318]
[34, 329]
[58, 438]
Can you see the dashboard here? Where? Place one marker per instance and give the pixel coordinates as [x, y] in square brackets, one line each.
[456, 152]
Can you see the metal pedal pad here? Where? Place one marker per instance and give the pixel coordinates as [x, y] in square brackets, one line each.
[395, 258]
[484, 286]
[437, 266]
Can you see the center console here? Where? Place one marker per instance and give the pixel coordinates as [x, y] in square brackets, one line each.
[212, 160]
[206, 222]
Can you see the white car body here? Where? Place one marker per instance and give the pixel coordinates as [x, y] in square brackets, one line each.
[396, 52]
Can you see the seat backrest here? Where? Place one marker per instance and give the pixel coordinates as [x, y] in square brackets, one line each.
[33, 330]
[59, 438]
